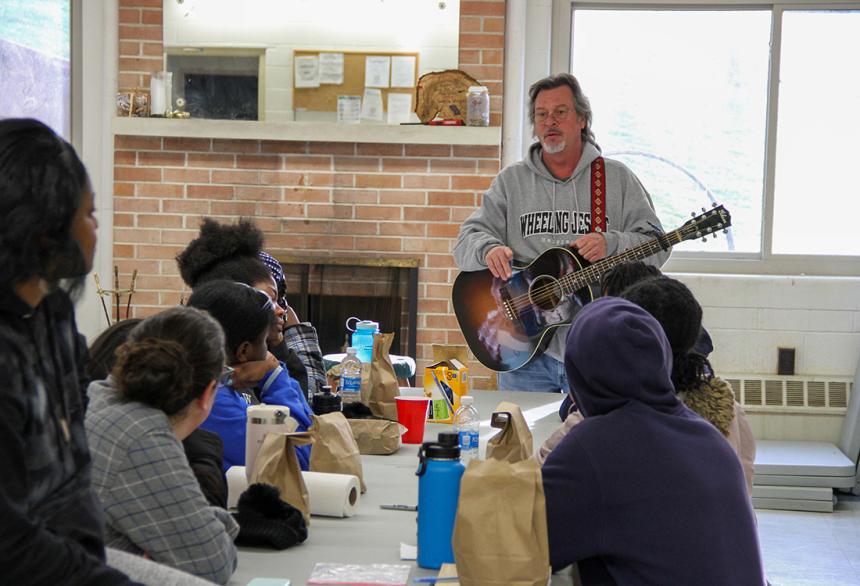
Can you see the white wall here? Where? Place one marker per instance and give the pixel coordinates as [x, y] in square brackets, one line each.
[749, 317]
[331, 25]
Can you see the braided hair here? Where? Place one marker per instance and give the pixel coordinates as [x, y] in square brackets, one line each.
[619, 277]
[674, 306]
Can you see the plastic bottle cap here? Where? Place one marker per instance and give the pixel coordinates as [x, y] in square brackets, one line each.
[477, 88]
[352, 351]
[466, 400]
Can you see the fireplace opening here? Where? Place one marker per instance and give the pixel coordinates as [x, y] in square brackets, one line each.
[328, 291]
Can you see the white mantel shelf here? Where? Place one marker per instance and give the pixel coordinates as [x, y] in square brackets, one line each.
[308, 131]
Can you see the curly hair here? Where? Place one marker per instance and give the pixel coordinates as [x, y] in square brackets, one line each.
[619, 277]
[170, 359]
[674, 306]
[224, 251]
[42, 183]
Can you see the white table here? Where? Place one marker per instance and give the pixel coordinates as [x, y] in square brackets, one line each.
[374, 535]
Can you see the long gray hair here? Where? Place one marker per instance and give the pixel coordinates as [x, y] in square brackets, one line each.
[583, 106]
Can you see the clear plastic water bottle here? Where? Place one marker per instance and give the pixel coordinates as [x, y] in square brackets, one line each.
[466, 424]
[350, 377]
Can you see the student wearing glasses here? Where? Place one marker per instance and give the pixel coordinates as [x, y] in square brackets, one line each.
[564, 194]
[160, 389]
[246, 316]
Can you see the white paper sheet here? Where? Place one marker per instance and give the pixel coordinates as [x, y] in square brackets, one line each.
[403, 71]
[371, 105]
[331, 68]
[349, 109]
[376, 70]
[399, 108]
[307, 71]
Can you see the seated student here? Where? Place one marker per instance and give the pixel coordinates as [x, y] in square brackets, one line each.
[246, 316]
[234, 253]
[52, 523]
[680, 316]
[640, 491]
[161, 388]
[612, 283]
[204, 449]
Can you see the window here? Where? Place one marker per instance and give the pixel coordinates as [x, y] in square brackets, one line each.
[35, 51]
[686, 96]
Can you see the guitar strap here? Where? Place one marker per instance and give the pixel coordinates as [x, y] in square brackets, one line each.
[598, 195]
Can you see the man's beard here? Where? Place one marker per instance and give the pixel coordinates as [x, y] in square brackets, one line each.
[553, 149]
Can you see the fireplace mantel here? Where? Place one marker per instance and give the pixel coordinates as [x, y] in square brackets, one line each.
[308, 131]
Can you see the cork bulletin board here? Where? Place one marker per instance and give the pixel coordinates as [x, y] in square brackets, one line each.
[324, 97]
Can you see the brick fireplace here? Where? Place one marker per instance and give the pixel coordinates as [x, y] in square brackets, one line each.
[311, 198]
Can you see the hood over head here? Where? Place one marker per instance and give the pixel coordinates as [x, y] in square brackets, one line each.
[616, 353]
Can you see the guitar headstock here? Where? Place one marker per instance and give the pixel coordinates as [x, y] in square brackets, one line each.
[708, 222]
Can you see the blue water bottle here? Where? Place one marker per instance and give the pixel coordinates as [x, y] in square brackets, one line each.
[362, 337]
[439, 473]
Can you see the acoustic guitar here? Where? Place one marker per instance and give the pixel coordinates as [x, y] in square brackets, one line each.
[508, 323]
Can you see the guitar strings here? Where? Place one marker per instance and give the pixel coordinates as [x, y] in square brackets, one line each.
[593, 272]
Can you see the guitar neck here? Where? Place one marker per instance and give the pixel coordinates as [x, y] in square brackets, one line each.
[579, 279]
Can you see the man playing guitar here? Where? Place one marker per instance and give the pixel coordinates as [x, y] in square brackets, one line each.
[564, 194]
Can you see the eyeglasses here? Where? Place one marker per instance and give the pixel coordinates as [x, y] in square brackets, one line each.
[560, 114]
[226, 377]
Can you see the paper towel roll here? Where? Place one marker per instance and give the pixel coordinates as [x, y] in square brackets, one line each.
[332, 495]
[237, 482]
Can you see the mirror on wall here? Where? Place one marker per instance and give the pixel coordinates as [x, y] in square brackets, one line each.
[236, 60]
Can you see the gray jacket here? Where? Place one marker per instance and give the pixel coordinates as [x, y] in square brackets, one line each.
[530, 210]
[151, 499]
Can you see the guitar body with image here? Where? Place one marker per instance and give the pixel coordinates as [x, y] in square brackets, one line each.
[508, 323]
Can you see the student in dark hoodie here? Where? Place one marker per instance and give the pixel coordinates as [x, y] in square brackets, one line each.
[640, 492]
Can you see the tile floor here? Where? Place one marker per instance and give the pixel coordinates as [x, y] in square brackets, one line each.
[812, 549]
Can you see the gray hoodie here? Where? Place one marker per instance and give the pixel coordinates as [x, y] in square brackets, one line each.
[530, 210]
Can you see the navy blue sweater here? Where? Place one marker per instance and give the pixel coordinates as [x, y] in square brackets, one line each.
[643, 488]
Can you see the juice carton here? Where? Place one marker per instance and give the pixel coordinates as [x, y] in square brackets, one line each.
[445, 382]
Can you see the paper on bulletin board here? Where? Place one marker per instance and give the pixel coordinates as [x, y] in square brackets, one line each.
[307, 71]
[371, 105]
[349, 109]
[376, 71]
[403, 71]
[399, 108]
[331, 68]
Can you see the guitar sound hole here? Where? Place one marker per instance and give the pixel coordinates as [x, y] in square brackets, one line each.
[545, 292]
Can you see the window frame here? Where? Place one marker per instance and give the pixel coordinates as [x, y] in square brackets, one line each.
[765, 262]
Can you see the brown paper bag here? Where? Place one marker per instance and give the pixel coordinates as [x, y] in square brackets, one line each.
[377, 437]
[494, 542]
[335, 449]
[383, 382]
[514, 442]
[278, 465]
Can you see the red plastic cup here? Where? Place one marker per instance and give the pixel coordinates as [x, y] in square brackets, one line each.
[412, 413]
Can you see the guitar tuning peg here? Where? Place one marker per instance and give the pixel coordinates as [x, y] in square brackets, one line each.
[725, 230]
[692, 214]
[704, 239]
[704, 210]
[714, 204]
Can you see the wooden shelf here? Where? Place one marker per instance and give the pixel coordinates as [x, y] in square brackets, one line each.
[309, 131]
